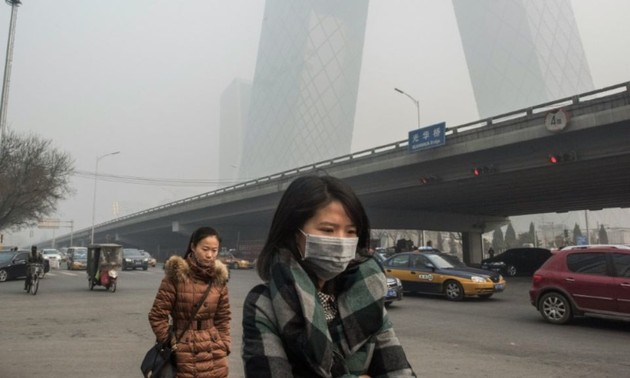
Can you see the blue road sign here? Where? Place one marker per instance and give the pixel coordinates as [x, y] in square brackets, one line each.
[427, 137]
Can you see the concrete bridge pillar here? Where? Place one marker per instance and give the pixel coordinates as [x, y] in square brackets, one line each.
[472, 248]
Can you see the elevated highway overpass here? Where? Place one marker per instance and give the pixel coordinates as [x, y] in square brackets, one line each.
[433, 189]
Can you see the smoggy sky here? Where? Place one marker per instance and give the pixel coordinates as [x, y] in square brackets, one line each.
[144, 77]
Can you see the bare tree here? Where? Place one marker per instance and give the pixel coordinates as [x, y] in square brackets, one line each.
[34, 177]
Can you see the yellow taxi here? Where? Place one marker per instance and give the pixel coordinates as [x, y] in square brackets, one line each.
[430, 273]
[234, 262]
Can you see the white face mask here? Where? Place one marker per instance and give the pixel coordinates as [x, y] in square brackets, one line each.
[328, 256]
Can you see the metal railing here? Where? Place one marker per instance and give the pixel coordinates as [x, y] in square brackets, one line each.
[467, 127]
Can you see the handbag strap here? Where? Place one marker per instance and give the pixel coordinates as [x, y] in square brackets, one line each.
[194, 313]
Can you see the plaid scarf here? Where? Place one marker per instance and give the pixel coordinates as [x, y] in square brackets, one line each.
[302, 319]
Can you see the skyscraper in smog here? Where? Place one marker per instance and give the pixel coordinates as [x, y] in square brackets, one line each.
[521, 52]
[234, 108]
[305, 84]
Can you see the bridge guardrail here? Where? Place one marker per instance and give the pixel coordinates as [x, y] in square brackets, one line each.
[470, 126]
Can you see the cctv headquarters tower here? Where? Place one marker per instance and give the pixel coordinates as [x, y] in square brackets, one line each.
[305, 85]
[521, 52]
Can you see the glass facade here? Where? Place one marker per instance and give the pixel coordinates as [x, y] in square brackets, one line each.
[234, 107]
[521, 52]
[305, 85]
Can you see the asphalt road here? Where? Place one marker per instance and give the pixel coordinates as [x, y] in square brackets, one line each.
[68, 331]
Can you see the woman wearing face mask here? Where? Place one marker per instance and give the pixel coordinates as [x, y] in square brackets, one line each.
[204, 345]
[320, 312]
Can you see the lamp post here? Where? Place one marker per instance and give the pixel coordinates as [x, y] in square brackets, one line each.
[414, 101]
[4, 101]
[422, 235]
[95, 182]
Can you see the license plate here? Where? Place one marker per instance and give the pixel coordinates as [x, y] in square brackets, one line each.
[391, 293]
[499, 287]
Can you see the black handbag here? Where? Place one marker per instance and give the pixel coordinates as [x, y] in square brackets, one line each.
[159, 361]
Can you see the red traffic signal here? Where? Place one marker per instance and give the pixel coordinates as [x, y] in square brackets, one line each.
[562, 157]
[478, 171]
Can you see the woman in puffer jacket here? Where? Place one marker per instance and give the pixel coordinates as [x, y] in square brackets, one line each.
[205, 345]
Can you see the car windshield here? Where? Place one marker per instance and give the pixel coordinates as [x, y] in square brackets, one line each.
[6, 256]
[439, 262]
[80, 256]
[132, 253]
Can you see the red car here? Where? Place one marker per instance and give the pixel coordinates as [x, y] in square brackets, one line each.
[583, 281]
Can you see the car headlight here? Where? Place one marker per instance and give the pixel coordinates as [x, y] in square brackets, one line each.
[127, 259]
[145, 260]
[478, 279]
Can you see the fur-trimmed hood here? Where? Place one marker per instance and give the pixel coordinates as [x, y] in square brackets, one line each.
[177, 269]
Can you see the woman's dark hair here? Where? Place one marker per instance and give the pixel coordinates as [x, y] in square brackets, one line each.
[200, 234]
[304, 196]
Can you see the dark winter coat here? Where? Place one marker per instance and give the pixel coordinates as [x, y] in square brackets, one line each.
[204, 347]
[285, 333]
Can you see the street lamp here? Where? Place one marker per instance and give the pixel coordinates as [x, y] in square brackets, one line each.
[414, 101]
[4, 100]
[94, 198]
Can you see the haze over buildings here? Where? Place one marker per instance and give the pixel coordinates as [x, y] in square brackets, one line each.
[305, 86]
[521, 52]
[147, 78]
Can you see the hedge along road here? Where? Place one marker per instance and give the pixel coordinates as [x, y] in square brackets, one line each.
[66, 330]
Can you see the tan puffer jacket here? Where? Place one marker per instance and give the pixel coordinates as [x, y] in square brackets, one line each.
[204, 347]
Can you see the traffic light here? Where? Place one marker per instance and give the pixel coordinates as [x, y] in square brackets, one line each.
[562, 157]
[482, 170]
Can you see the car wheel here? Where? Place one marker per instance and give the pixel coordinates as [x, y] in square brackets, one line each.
[387, 304]
[555, 308]
[234, 266]
[511, 270]
[3, 275]
[453, 291]
[145, 267]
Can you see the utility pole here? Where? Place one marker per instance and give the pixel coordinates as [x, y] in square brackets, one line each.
[588, 237]
[4, 101]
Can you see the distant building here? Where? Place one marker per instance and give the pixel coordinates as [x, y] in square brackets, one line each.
[618, 236]
[305, 85]
[521, 52]
[551, 235]
[234, 107]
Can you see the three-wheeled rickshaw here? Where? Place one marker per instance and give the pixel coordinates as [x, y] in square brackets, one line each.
[104, 261]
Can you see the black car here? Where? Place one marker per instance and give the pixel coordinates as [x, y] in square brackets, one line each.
[133, 259]
[517, 261]
[13, 265]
